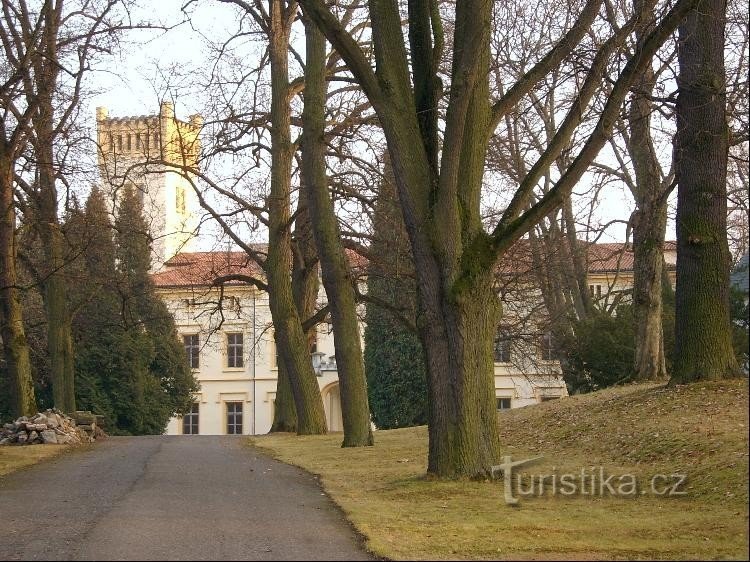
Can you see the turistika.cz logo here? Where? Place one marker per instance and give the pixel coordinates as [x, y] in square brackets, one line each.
[591, 481]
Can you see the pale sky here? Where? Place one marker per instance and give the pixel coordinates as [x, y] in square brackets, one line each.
[132, 82]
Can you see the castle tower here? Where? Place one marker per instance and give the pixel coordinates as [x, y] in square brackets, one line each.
[158, 155]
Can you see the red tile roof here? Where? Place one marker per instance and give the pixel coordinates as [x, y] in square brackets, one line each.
[201, 269]
[189, 269]
[193, 269]
[617, 256]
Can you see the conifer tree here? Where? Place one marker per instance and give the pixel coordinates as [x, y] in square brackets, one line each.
[130, 365]
[169, 384]
[394, 358]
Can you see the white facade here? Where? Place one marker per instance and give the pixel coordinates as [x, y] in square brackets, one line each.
[251, 387]
[252, 384]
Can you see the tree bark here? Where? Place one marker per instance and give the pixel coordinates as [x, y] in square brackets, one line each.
[305, 285]
[290, 337]
[337, 279]
[59, 321]
[284, 411]
[703, 346]
[15, 346]
[649, 226]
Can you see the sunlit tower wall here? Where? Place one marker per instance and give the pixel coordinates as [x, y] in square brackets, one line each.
[158, 155]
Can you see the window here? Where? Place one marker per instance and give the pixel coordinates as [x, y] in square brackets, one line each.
[128, 141]
[119, 143]
[234, 418]
[190, 421]
[502, 349]
[180, 200]
[595, 290]
[192, 349]
[503, 403]
[235, 357]
[547, 347]
[138, 141]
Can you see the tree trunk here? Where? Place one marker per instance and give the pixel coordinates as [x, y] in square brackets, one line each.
[60, 343]
[290, 337]
[649, 225]
[458, 346]
[59, 323]
[15, 346]
[284, 411]
[648, 261]
[305, 285]
[703, 346]
[337, 279]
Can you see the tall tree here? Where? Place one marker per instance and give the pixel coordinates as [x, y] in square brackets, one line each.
[703, 338]
[394, 358]
[18, 49]
[46, 68]
[439, 188]
[337, 279]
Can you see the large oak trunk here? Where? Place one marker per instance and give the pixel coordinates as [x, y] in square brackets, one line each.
[15, 346]
[649, 224]
[458, 346]
[291, 339]
[648, 262]
[703, 346]
[334, 267]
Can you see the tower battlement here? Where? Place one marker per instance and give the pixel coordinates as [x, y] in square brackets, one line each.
[148, 138]
[158, 156]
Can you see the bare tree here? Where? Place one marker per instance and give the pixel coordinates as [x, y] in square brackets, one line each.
[703, 338]
[439, 187]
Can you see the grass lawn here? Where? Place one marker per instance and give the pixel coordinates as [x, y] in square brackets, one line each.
[700, 430]
[17, 457]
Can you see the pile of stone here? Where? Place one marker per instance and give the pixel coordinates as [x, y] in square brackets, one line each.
[52, 427]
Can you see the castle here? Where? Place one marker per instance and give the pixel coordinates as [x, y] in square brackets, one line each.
[227, 331]
[158, 155]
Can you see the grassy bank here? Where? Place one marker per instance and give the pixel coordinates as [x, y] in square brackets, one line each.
[14, 458]
[643, 430]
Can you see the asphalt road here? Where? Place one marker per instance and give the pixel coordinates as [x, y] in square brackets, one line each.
[170, 498]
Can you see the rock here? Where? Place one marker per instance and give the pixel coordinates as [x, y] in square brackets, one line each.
[64, 439]
[51, 427]
[5, 441]
[84, 418]
[49, 437]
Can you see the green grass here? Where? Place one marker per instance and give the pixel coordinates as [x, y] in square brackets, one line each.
[14, 458]
[700, 430]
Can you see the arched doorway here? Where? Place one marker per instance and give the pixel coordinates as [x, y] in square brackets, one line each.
[332, 405]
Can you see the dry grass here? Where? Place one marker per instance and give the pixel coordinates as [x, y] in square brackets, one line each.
[14, 458]
[700, 430]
